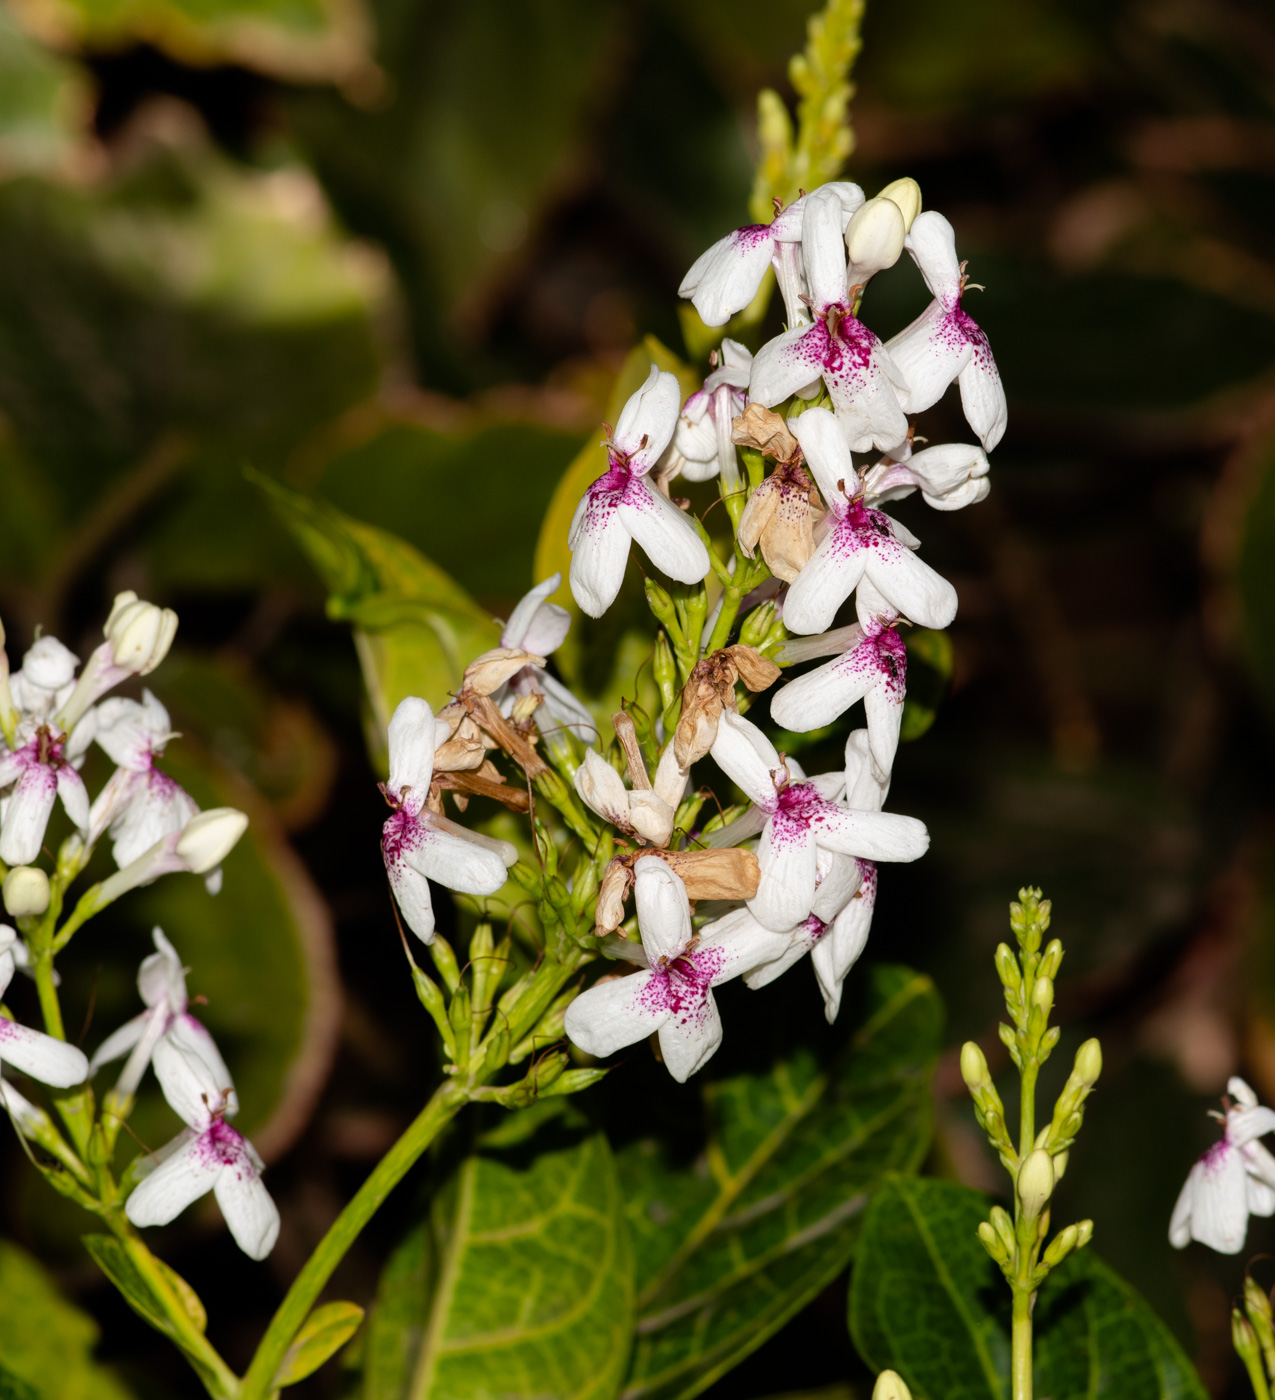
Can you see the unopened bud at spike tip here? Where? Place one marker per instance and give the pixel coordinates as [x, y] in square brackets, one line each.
[1256, 1299]
[974, 1068]
[906, 193]
[1244, 1340]
[209, 838]
[26, 891]
[890, 1386]
[140, 633]
[1089, 1063]
[1035, 1182]
[874, 237]
[1085, 1227]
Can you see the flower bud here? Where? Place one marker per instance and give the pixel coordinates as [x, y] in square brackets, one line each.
[1244, 1340]
[661, 604]
[664, 669]
[906, 193]
[1256, 1299]
[1043, 995]
[974, 1068]
[1061, 1246]
[1035, 1182]
[874, 237]
[140, 633]
[1007, 967]
[26, 891]
[757, 625]
[890, 1386]
[209, 838]
[1004, 1227]
[1051, 960]
[991, 1242]
[1088, 1063]
[1060, 1165]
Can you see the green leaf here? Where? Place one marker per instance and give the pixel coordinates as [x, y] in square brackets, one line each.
[930, 665]
[44, 103]
[927, 1301]
[415, 629]
[46, 1342]
[726, 1257]
[325, 1332]
[519, 1285]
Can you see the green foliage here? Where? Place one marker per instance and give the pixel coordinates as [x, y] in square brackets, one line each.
[42, 100]
[326, 1331]
[927, 1301]
[519, 1284]
[415, 629]
[725, 1258]
[931, 661]
[46, 1343]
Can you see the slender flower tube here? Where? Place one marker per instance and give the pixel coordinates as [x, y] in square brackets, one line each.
[198, 848]
[622, 505]
[539, 626]
[43, 1057]
[418, 845]
[945, 343]
[1233, 1180]
[673, 996]
[860, 375]
[858, 541]
[209, 1155]
[800, 818]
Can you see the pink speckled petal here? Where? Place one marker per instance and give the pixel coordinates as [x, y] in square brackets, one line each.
[729, 950]
[647, 420]
[818, 697]
[412, 735]
[27, 815]
[867, 406]
[725, 279]
[600, 552]
[75, 797]
[747, 757]
[883, 707]
[43, 1057]
[932, 243]
[663, 530]
[929, 354]
[663, 910]
[823, 250]
[786, 854]
[874, 835]
[1217, 1206]
[612, 1015]
[983, 397]
[689, 1039]
[787, 363]
[916, 590]
[189, 1086]
[250, 1213]
[179, 1181]
[457, 863]
[824, 584]
[411, 894]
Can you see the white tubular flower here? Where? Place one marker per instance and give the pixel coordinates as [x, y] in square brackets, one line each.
[1233, 1180]
[138, 635]
[859, 541]
[622, 505]
[950, 476]
[944, 343]
[703, 435]
[209, 1155]
[197, 849]
[871, 665]
[648, 812]
[139, 805]
[161, 981]
[801, 818]
[857, 369]
[419, 845]
[674, 995]
[43, 1057]
[540, 627]
[725, 278]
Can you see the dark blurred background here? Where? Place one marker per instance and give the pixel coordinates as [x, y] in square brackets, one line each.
[396, 258]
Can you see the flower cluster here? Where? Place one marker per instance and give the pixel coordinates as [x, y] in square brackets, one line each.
[824, 389]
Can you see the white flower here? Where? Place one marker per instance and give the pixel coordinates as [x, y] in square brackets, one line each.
[139, 804]
[419, 845]
[725, 278]
[1233, 1180]
[540, 627]
[874, 239]
[951, 476]
[197, 849]
[209, 1155]
[161, 980]
[674, 995]
[703, 435]
[857, 541]
[860, 375]
[622, 505]
[647, 811]
[43, 1057]
[800, 818]
[41, 767]
[944, 343]
[138, 635]
[871, 665]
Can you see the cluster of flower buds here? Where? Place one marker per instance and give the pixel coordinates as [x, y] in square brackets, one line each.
[823, 390]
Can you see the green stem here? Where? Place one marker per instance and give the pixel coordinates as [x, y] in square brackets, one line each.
[447, 1101]
[1021, 1345]
[1027, 1118]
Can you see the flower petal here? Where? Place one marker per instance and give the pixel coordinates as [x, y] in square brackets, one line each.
[883, 707]
[725, 278]
[873, 835]
[27, 814]
[663, 530]
[983, 397]
[1219, 1203]
[614, 1014]
[119, 1042]
[465, 866]
[823, 250]
[412, 736]
[786, 855]
[734, 945]
[747, 757]
[411, 894]
[194, 1039]
[250, 1212]
[43, 1057]
[932, 242]
[825, 583]
[599, 551]
[602, 789]
[919, 592]
[689, 1038]
[838, 878]
[929, 354]
[663, 910]
[517, 630]
[648, 419]
[821, 695]
[789, 362]
[178, 1181]
[191, 1090]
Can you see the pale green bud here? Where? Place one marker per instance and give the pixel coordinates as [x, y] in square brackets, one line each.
[1061, 1246]
[26, 891]
[1051, 961]
[1007, 967]
[1035, 1182]
[890, 1386]
[664, 669]
[1085, 1228]
[1043, 995]
[1060, 1165]
[1000, 1222]
[1088, 1063]
[974, 1068]
[1245, 1342]
[906, 193]
[991, 1242]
